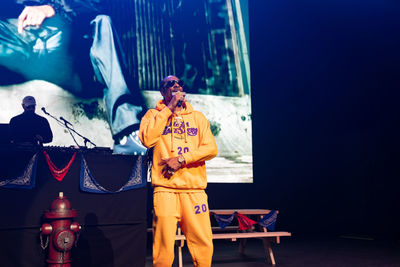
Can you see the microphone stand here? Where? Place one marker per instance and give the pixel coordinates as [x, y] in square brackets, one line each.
[48, 114]
[85, 139]
[70, 130]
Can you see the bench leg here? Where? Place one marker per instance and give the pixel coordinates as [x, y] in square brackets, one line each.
[180, 244]
[180, 260]
[268, 250]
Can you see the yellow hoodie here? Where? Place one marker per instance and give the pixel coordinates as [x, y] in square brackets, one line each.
[186, 133]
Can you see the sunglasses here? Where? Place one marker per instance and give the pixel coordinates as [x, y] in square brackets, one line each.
[172, 83]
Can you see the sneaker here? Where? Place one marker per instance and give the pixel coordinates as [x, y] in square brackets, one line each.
[130, 145]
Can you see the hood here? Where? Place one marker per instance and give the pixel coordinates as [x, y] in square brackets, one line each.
[187, 108]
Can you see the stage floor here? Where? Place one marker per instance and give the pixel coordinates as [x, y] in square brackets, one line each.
[305, 251]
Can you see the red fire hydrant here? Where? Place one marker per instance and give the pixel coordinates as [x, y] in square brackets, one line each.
[61, 232]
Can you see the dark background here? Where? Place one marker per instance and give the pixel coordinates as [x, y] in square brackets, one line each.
[325, 92]
[325, 119]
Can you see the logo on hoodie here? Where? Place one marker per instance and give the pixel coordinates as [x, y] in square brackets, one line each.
[167, 130]
[179, 128]
[192, 131]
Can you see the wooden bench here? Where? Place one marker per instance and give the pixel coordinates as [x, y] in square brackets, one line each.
[219, 233]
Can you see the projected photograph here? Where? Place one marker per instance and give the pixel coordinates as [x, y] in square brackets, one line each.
[100, 73]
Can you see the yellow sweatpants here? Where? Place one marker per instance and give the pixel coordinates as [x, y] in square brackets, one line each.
[190, 211]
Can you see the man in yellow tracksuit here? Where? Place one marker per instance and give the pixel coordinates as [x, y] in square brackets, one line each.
[182, 142]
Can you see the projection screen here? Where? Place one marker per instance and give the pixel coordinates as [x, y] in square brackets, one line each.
[205, 43]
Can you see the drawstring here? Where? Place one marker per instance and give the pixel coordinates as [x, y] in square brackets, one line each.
[184, 129]
[172, 133]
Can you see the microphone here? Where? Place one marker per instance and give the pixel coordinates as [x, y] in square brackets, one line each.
[65, 121]
[44, 111]
[180, 101]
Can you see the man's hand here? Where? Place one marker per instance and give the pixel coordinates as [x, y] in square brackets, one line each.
[175, 99]
[34, 16]
[171, 165]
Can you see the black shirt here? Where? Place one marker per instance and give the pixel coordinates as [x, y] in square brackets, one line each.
[24, 128]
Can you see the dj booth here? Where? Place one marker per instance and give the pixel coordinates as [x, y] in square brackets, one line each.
[112, 214]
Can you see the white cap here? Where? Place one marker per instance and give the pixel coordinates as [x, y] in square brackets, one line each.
[29, 101]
